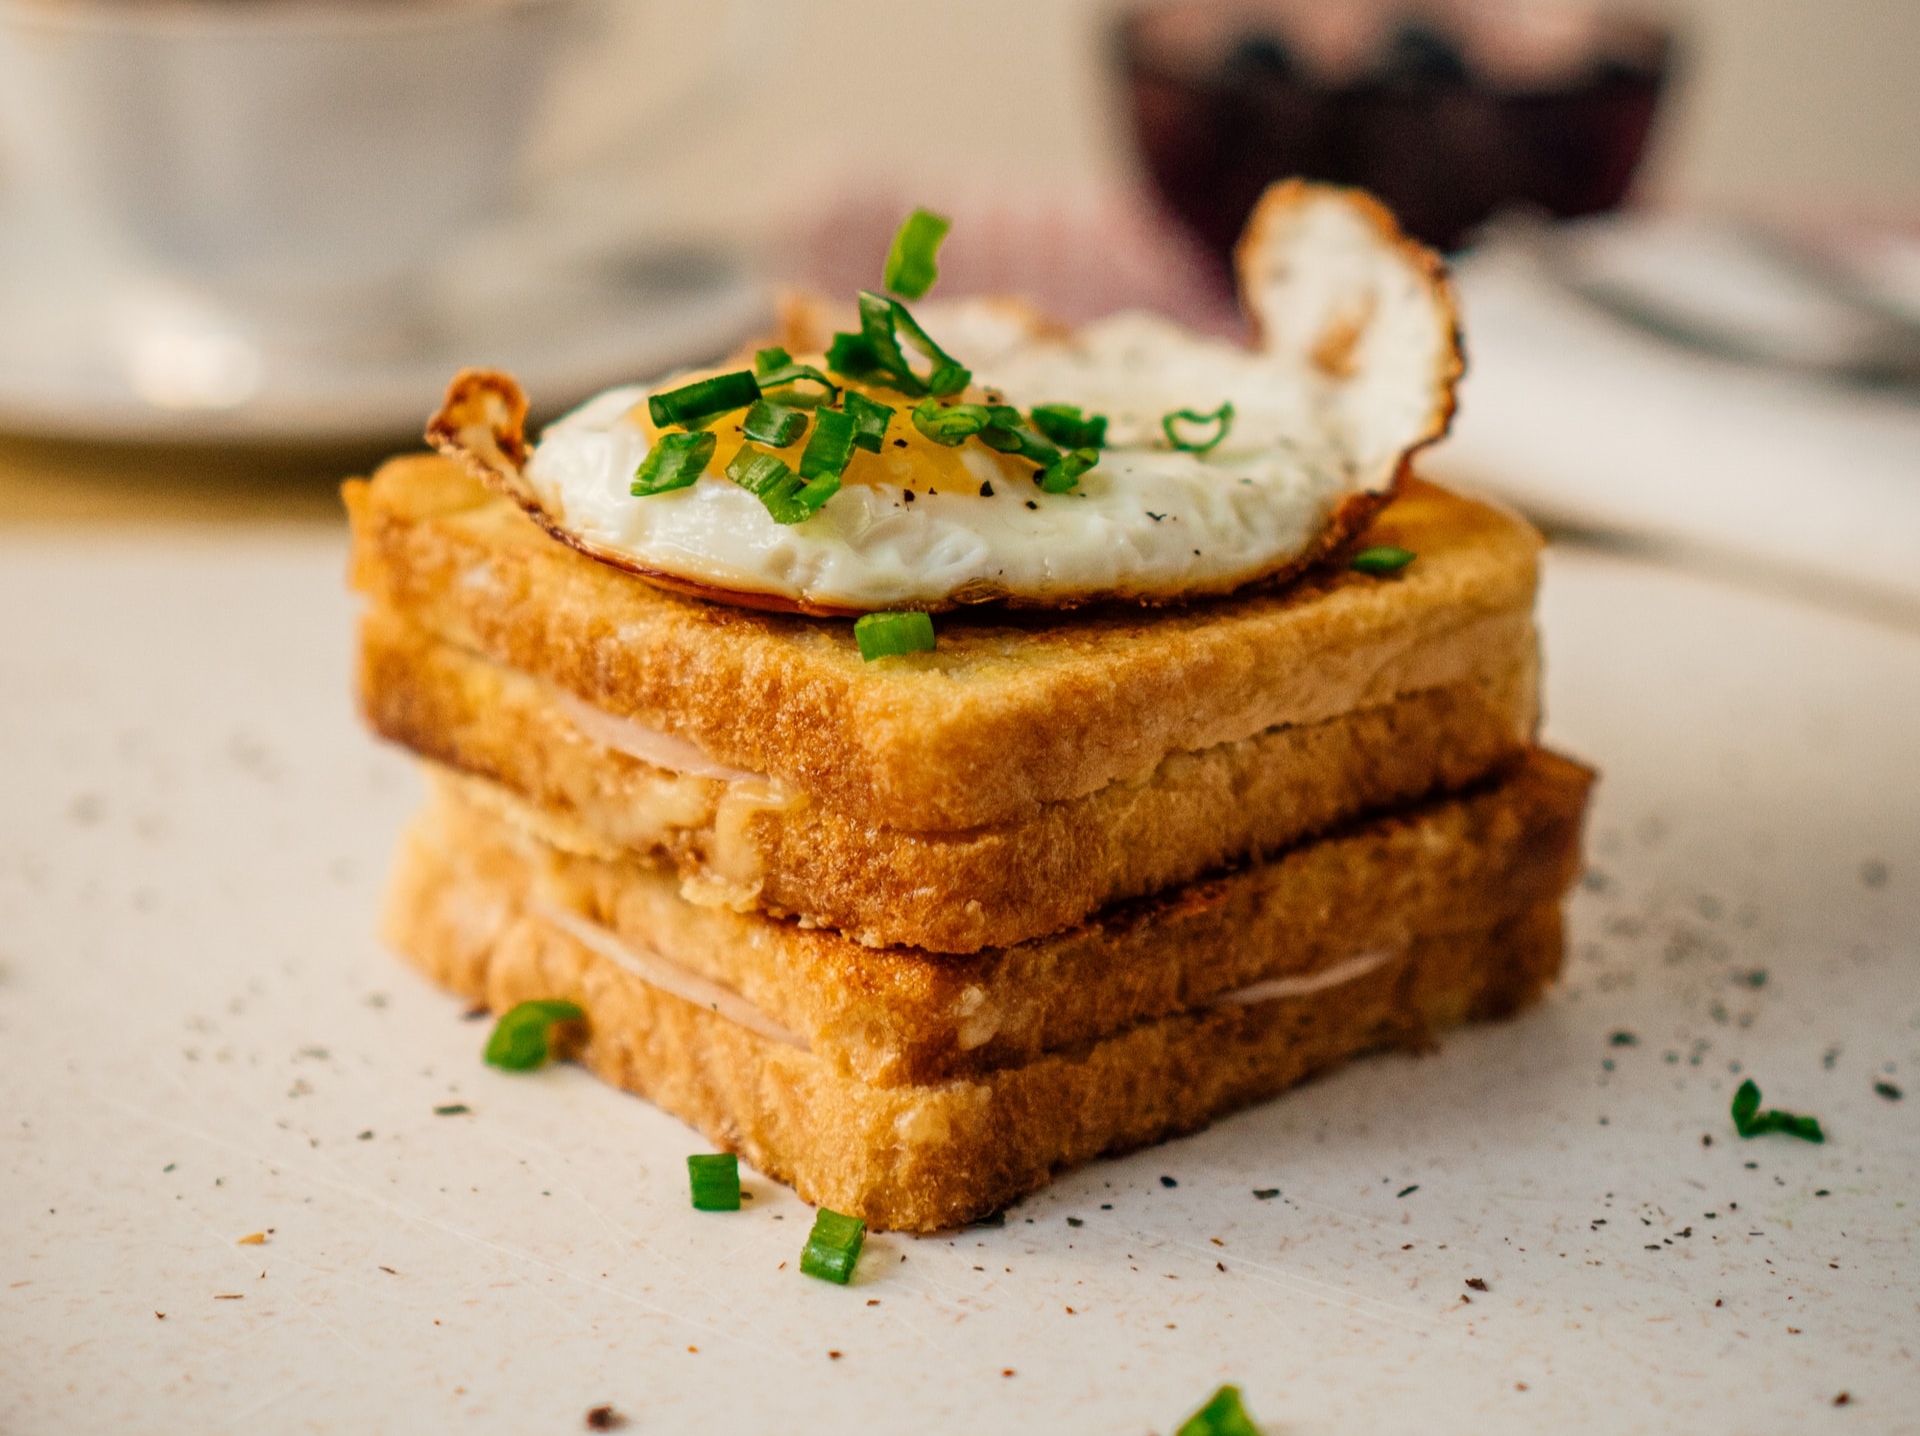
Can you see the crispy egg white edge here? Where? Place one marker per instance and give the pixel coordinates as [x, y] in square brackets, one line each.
[1147, 520]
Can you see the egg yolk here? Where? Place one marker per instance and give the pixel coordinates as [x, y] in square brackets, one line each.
[908, 459]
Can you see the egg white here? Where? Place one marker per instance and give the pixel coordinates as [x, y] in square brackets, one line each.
[1148, 520]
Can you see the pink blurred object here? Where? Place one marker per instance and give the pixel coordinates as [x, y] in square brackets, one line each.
[1076, 256]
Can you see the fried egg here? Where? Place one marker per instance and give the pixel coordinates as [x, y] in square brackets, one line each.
[1353, 370]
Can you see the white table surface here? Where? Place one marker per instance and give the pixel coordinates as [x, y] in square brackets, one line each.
[200, 1039]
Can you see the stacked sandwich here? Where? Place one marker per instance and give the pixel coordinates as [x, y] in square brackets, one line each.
[1136, 841]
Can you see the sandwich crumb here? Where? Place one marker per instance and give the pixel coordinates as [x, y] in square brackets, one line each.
[605, 1418]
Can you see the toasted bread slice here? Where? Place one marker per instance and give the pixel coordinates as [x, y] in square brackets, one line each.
[741, 842]
[1008, 715]
[927, 1157]
[903, 1016]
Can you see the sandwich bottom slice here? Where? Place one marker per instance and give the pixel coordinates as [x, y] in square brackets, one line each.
[1448, 924]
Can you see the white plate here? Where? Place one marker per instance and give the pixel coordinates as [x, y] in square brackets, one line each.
[83, 356]
[200, 1038]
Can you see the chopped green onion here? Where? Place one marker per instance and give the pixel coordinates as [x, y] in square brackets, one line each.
[875, 354]
[787, 498]
[695, 405]
[833, 1246]
[827, 452]
[911, 268]
[1061, 476]
[674, 462]
[788, 375]
[1223, 1415]
[1007, 433]
[881, 635]
[1750, 1121]
[1382, 560]
[765, 361]
[522, 1037]
[1221, 419]
[870, 420]
[852, 355]
[952, 424]
[715, 1178]
[1064, 424]
[775, 425]
[948, 376]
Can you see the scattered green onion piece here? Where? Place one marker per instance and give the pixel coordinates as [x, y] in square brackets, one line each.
[674, 462]
[875, 354]
[1066, 426]
[1061, 476]
[1221, 419]
[522, 1038]
[911, 267]
[715, 1178]
[833, 1246]
[695, 405]
[788, 375]
[950, 424]
[775, 425]
[949, 378]
[1382, 560]
[1750, 1121]
[1223, 1415]
[765, 361]
[852, 355]
[947, 375]
[870, 420]
[882, 635]
[877, 320]
[1007, 433]
[788, 500]
[835, 432]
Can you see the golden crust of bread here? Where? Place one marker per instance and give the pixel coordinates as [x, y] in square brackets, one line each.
[1008, 714]
[948, 891]
[901, 1016]
[932, 1157]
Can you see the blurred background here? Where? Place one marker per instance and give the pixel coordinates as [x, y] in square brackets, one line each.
[248, 240]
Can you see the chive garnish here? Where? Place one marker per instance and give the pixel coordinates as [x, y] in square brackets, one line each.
[875, 353]
[1221, 419]
[1750, 1121]
[1382, 560]
[788, 375]
[1060, 476]
[881, 635]
[911, 269]
[765, 361]
[715, 1178]
[827, 452]
[788, 498]
[695, 405]
[522, 1038]
[870, 420]
[775, 425]
[1066, 426]
[1223, 1415]
[674, 462]
[949, 424]
[833, 1246]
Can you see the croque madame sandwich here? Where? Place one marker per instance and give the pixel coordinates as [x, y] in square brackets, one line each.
[945, 749]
